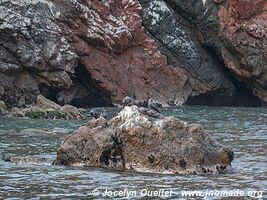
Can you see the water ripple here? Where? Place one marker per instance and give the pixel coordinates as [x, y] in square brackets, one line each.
[243, 129]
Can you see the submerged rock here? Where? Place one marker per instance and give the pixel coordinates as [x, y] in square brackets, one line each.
[135, 141]
[28, 160]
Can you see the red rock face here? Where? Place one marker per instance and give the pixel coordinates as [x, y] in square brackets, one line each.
[243, 24]
[95, 52]
[120, 56]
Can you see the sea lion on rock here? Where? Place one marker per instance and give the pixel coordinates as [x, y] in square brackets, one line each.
[150, 112]
[153, 105]
[127, 101]
[103, 113]
[134, 141]
[154, 113]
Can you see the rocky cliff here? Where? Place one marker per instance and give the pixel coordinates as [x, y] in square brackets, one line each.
[92, 53]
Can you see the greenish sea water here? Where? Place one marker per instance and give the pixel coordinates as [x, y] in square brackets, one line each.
[243, 129]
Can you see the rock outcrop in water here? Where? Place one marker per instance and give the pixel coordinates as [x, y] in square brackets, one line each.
[92, 53]
[47, 109]
[135, 141]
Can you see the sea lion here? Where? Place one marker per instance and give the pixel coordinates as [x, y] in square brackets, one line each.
[127, 101]
[94, 113]
[150, 112]
[103, 113]
[153, 105]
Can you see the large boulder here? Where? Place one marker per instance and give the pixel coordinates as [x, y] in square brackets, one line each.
[45, 103]
[135, 141]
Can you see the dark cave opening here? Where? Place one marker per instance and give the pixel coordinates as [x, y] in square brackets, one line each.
[88, 91]
[48, 92]
[242, 97]
[84, 93]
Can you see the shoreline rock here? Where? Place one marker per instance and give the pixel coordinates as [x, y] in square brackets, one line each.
[3, 108]
[138, 142]
[46, 109]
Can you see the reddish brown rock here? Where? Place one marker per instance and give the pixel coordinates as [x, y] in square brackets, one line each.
[121, 57]
[92, 53]
[243, 24]
[234, 30]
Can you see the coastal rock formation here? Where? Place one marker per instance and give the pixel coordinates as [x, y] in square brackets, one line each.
[36, 57]
[211, 39]
[243, 27]
[34, 52]
[112, 45]
[138, 142]
[47, 109]
[3, 108]
[177, 41]
[93, 53]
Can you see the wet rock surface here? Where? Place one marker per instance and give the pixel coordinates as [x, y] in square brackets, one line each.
[47, 109]
[136, 141]
[93, 53]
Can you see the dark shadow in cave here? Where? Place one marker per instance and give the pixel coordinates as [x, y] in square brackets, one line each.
[241, 96]
[84, 93]
[244, 97]
[48, 92]
[95, 96]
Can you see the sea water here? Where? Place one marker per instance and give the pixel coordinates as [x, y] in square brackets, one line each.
[243, 129]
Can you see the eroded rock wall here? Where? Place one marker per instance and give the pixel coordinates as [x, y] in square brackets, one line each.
[243, 26]
[112, 45]
[92, 53]
[236, 31]
[33, 51]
